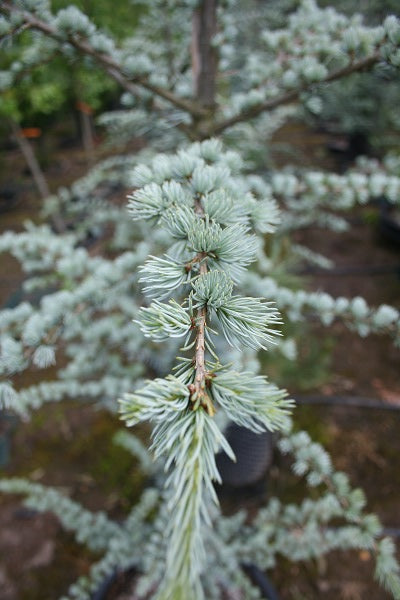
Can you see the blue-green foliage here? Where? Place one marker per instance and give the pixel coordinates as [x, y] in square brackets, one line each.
[181, 409]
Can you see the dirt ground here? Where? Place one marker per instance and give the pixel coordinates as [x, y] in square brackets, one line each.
[71, 446]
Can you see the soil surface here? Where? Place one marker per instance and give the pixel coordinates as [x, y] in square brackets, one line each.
[70, 446]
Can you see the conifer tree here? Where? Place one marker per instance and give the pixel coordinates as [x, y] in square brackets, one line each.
[197, 222]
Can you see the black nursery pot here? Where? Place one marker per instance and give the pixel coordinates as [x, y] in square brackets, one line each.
[253, 451]
[256, 576]
[7, 425]
[389, 222]
[9, 197]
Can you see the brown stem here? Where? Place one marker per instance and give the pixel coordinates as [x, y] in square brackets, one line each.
[198, 258]
[200, 363]
[199, 396]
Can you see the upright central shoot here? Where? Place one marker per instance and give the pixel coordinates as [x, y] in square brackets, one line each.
[198, 393]
[208, 217]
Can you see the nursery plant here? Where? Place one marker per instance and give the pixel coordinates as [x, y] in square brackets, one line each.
[201, 88]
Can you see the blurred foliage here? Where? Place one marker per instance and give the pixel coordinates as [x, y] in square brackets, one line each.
[119, 17]
[44, 94]
[48, 91]
[374, 109]
[374, 11]
[312, 367]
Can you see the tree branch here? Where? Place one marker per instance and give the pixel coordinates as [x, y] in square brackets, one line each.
[109, 64]
[293, 96]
